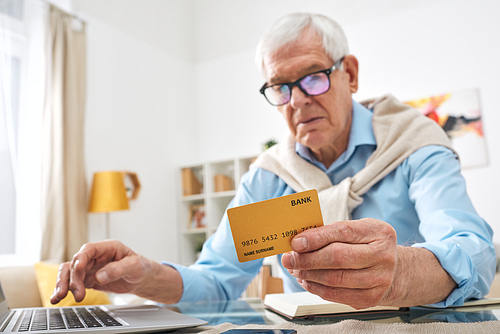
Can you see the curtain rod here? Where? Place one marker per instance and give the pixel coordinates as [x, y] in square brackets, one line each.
[74, 16]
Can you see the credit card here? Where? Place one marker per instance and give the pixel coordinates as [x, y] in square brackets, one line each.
[266, 228]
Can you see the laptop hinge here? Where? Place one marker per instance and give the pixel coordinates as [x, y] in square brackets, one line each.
[8, 318]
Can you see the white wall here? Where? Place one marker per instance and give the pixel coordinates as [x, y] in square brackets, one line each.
[144, 115]
[139, 116]
[444, 47]
[405, 48]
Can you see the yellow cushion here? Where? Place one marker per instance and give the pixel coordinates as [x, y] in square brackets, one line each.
[46, 276]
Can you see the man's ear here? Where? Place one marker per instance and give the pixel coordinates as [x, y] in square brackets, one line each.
[351, 67]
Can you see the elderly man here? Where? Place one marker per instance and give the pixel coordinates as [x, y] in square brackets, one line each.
[400, 229]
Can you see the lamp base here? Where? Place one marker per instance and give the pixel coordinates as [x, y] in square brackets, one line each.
[107, 226]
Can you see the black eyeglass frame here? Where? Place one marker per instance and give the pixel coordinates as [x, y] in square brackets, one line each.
[296, 83]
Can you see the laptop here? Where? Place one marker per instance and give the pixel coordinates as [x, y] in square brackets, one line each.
[99, 318]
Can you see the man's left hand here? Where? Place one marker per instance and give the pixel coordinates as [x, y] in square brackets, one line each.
[359, 263]
[351, 262]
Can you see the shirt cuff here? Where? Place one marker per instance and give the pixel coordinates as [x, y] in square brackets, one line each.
[189, 288]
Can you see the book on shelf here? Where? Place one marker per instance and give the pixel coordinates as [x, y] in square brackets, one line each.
[190, 183]
[307, 305]
[222, 183]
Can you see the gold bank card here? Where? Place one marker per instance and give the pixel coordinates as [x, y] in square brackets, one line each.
[266, 228]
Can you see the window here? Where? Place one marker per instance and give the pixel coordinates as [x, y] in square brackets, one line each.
[11, 40]
[7, 148]
[12, 8]
[22, 84]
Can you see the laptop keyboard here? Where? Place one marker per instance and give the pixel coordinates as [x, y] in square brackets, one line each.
[66, 318]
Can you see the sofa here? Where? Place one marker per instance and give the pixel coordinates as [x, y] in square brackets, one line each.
[21, 289]
[32, 286]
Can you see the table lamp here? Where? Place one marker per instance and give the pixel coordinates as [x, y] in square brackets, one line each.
[109, 193]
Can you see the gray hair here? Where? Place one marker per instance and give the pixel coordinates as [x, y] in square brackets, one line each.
[290, 27]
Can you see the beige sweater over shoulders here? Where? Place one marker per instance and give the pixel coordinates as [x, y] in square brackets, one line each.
[399, 131]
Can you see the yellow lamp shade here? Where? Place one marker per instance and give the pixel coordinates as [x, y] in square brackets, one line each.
[108, 193]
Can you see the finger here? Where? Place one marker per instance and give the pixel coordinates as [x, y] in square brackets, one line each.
[338, 256]
[361, 231]
[77, 275]
[61, 288]
[101, 252]
[84, 261]
[132, 269]
[350, 279]
[92, 267]
[80, 265]
[97, 253]
[357, 298]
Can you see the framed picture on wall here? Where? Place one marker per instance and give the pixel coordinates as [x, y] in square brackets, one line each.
[459, 114]
[197, 217]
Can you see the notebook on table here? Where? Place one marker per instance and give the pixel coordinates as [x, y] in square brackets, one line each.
[99, 318]
[307, 305]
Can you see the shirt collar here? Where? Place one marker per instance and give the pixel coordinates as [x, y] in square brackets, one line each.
[361, 134]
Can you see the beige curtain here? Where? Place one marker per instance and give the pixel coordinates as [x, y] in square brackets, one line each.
[64, 190]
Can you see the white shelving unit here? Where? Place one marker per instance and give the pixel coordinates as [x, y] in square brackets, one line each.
[215, 203]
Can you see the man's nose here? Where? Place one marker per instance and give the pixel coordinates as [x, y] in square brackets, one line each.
[299, 98]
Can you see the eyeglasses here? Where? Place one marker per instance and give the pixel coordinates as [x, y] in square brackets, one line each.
[313, 84]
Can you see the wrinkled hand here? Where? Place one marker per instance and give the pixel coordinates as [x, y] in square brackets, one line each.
[108, 266]
[351, 262]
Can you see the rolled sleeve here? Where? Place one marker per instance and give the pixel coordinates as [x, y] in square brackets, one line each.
[460, 266]
[217, 274]
[453, 231]
[195, 282]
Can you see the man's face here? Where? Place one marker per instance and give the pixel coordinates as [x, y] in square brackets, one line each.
[321, 123]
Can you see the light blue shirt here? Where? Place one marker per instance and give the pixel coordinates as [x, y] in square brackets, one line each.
[424, 199]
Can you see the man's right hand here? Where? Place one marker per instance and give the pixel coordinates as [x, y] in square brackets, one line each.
[111, 266]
